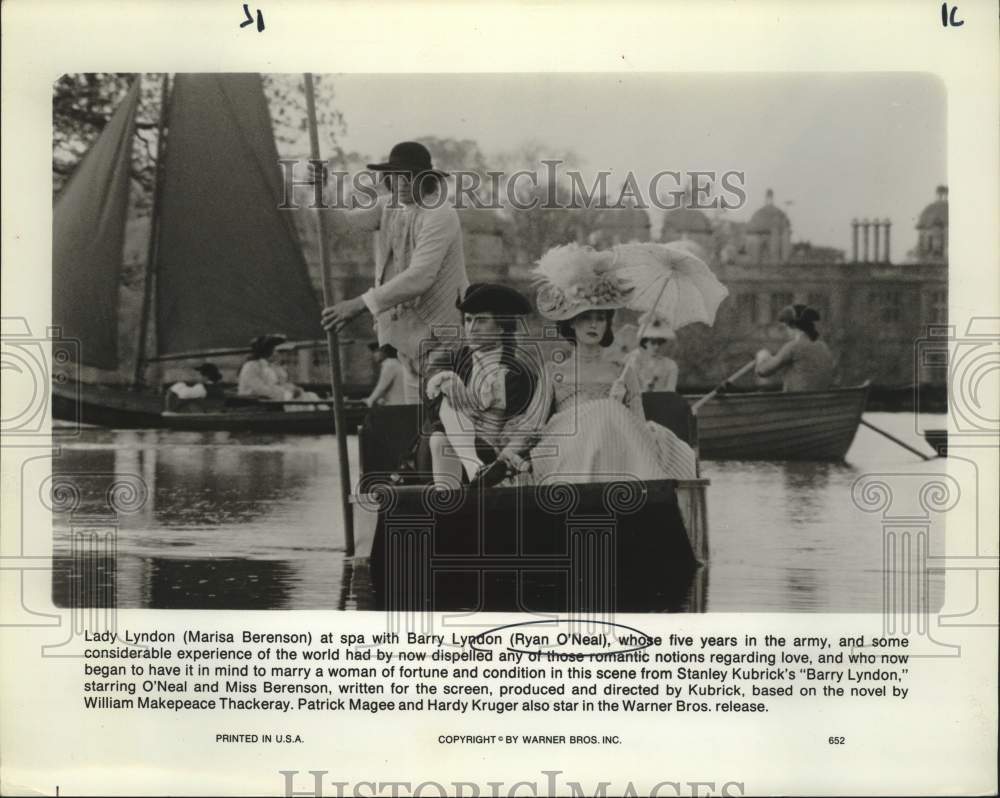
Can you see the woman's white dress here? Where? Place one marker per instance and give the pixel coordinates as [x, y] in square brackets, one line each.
[591, 437]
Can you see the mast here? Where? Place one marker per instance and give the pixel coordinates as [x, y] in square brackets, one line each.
[154, 234]
[332, 342]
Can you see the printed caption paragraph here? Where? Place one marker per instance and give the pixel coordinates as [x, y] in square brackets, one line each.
[561, 667]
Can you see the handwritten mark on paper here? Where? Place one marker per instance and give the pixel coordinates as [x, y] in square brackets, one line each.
[949, 17]
[260, 18]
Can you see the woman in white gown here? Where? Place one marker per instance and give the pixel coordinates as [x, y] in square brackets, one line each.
[595, 429]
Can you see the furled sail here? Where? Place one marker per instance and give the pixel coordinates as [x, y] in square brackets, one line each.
[229, 263]
[88, 229]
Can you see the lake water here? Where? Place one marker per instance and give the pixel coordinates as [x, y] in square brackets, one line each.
[235, 521]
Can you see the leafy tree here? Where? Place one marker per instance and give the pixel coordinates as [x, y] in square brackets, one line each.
[553, 218]
[286, 96]
[456, 154]
[82, 104]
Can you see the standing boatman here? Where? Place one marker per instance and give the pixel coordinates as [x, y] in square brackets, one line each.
[419, 265]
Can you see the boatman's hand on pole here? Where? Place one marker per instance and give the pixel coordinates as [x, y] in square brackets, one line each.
[336, 316]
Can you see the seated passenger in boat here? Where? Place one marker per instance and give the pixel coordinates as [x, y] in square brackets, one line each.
[804, 363]
[652, 363]
[594, 428]
[262, 378]
[390, 387]
[188, 395]
[490, 384]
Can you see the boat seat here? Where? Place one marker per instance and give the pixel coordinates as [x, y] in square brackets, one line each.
[386, 436]
[673, 411]
[247, 401]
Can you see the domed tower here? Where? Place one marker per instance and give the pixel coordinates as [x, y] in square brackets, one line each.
[932, 229]
[620, 226]
[687, 224]
[769, 234]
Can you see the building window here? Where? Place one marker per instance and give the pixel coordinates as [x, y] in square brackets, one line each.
[886, 305]
[821, 304]
[780, 300]
[746, 309]
[938, 307]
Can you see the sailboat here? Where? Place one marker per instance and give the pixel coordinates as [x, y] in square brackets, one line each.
[224, 264]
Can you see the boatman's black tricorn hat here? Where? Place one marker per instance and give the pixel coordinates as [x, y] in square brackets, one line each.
[410, 157]
[493, 298]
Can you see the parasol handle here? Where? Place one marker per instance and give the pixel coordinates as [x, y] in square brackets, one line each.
[734, 376]
[645, 324]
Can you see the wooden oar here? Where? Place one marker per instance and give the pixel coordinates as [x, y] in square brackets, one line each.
[734, 376]
[896, 440]
[332, 342]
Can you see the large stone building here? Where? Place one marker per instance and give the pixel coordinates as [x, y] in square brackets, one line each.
[872, 310]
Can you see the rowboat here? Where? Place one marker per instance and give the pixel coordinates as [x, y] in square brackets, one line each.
[806, 425]
[119, 408]
[615, 545]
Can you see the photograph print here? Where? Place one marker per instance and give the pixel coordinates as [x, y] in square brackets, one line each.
[495, 342]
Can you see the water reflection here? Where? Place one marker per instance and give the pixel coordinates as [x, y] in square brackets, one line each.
[253, 522]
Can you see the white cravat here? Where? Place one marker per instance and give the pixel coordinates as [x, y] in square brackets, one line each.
[458, 427]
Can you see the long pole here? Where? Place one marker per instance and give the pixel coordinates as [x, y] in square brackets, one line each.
[154, 235]
[734, 376]
[895, 440]
[645, 324]
[332, 342]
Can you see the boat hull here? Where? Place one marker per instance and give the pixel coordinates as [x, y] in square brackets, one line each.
[811, 425]
[937, 439]
[119, 408]
[599, 547]
[619, 545]
[808, 425]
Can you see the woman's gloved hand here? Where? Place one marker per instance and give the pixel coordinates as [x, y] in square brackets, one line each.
[515, 462]
[618, 391]
[442, 383]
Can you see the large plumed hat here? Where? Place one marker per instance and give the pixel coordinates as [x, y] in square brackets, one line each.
[494, 298]
[574, 279]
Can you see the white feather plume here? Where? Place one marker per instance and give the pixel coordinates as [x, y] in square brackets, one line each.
[570, 266]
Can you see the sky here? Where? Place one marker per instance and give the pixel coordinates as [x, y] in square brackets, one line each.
[832, 146]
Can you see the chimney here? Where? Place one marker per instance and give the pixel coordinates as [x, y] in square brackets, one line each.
[886, 254]
[769, 196]
[854, 240]
[942, 193]
[865, 225]
[877, 228]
